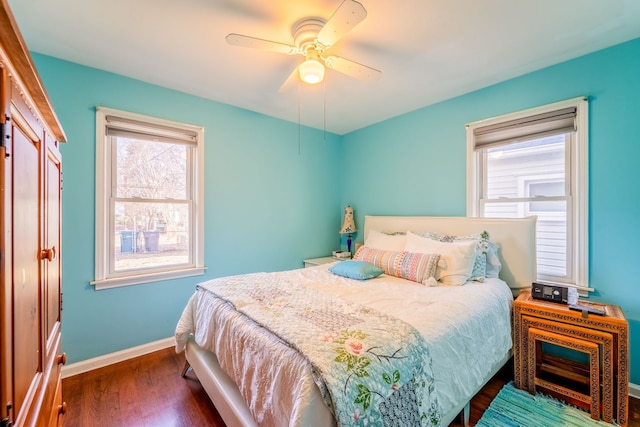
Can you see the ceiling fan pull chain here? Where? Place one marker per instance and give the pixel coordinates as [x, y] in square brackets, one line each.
[298, 118]
[324, 108]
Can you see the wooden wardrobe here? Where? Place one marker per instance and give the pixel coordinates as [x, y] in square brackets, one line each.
[30, 190]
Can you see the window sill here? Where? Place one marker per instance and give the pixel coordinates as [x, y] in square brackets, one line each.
[117, 282]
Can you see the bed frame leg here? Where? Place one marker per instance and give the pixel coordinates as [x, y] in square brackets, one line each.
[187, 366]
[465, 414]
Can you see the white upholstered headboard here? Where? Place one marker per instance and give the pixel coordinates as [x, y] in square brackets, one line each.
[516, 238]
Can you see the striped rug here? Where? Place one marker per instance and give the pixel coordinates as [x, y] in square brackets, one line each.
[514, 407]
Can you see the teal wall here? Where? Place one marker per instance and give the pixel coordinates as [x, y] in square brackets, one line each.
[268, 207]
[415, 164]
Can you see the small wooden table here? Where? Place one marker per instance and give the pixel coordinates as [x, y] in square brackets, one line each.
[603, 338]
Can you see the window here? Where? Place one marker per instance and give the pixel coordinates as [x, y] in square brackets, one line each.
[534, 162]
[149, 199]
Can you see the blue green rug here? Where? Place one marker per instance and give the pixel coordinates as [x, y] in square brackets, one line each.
[514, 407]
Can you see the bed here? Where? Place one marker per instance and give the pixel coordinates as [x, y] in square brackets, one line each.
[254, 378]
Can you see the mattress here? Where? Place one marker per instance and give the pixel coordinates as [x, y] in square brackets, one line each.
[466, 328]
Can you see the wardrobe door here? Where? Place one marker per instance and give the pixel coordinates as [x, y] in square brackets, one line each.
[27, 290]
[51, 251]
[6, 277]
[53, 407]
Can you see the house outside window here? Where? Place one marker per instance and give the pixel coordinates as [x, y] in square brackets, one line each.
[149, 197]
[534, 162]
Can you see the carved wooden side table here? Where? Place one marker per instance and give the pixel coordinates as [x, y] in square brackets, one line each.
[604, 339]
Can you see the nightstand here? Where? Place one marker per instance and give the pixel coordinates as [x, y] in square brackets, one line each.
[318, 261]
[601, 385]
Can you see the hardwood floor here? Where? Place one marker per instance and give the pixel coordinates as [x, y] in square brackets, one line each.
[481, 401]
[149, 391]
[140, 392]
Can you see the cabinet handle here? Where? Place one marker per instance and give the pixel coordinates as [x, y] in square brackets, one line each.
[48, 254]
[62, 359]
[62, 409]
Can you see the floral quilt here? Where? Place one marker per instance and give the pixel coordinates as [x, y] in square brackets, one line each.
[372, 369]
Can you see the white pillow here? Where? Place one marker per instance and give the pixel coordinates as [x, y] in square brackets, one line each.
[456, 258]
[386, 242]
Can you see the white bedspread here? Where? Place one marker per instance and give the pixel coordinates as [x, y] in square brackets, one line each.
[468, 329]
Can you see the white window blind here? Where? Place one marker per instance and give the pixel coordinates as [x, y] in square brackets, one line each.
[530, 127]
[136, 129]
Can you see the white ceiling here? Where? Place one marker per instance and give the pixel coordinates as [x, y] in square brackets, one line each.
[427, 50]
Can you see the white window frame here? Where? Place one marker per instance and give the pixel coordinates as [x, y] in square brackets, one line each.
[104, 175]
[524, 184]
[577, 173]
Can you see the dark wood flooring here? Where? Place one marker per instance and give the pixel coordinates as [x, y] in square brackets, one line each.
[149, 391]
[144, 391]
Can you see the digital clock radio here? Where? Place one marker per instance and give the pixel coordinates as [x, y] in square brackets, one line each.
[552, 293]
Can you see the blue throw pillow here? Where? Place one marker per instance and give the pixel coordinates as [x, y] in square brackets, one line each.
[358, 270]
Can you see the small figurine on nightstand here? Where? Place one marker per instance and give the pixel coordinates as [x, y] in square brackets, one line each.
[348, 225]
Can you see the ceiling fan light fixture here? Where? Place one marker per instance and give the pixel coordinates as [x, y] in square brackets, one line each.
[312, 37]
[311, 71]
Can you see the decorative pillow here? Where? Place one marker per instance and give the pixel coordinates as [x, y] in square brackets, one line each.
[358, 270]
[480, 263]
[493, 261]
[411, 266]
[385, 242]
[457, 258]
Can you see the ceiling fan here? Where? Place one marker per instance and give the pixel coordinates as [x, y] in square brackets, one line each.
[312, 38]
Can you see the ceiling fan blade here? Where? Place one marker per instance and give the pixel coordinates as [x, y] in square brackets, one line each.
[256, 43]
[291, 81]
[352, 69]
[348, 15]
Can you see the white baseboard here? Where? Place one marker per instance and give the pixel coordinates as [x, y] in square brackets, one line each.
[119, 356]
[634, 390]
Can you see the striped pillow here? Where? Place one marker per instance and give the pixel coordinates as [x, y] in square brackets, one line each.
[407, 265]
